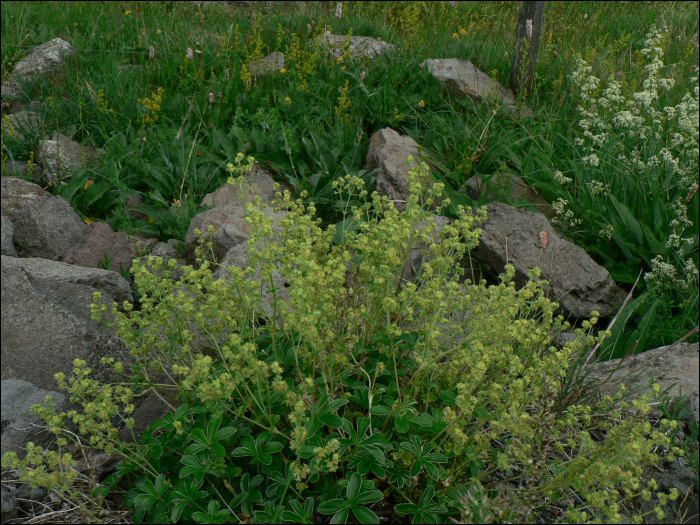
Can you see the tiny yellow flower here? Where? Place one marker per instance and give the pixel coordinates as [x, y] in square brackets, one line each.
[283, 70]
[462, 31]
[127, 13]
[455, 35]
[88, 184]
[158, 31]
[422, 103]
[288, 100]
[88, 221]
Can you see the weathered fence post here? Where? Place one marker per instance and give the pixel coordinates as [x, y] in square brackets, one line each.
[527, 41]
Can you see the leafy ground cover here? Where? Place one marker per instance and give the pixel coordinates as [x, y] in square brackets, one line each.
[613, 144]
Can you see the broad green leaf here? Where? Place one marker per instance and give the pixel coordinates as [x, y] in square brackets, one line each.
[629, 220]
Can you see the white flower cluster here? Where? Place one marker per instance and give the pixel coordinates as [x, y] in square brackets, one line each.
[663, 274]
[563, 216]
[611, 116]
[597, 187]
[679, 224]
[560, 178]
[606, 232]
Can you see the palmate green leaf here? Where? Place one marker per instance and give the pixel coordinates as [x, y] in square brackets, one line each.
[341, 516]
[365, 515]
[213, 514]
[357, 494]
[258, 448]
[194, 466]
[185, 492]
[332, 506]
[299, 514]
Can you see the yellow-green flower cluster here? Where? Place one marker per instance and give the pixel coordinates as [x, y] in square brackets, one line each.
[152, 106]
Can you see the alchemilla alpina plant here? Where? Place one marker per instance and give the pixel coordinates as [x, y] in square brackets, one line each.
[364, 389]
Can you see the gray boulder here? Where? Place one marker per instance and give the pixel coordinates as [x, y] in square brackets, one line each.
[230, 229]
[18, 193]
[463, 79]
[388, 151]
[61, 157]
[358, 46]
[46, 320]
[48, 228]
[98, 242]
[15, 123]
[505, 186]
[44, 59]
[263, 66]
[576, 282]
[19, 425]
[671, 366]
[257, 183]
[8, 231]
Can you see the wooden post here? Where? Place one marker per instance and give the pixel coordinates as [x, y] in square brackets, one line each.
[527, 41]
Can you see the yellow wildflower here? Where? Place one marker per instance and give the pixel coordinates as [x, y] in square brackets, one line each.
[288, 100]
[422, 103]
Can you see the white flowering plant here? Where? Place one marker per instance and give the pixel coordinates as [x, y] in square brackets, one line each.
[631, 197]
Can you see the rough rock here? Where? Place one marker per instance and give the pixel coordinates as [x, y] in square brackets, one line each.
[576, 282]
[48, 228]
[61, 157]
[505, 186]
[46, 320]
[415, 257]
[677, 365]
[18, 193]
[140, 245]
[8, 232]
[257, 183]
[463, 79]
[44, 59]
[99, 240]
[359, 46]
[388, 151]
[16, 168]
[107, 281]
[24, 121]
[165, 251]
[264, 66]
[19, 425]
[9, 505]
[151, 410]
[230, 229]
[30, 498]
[238, 256]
